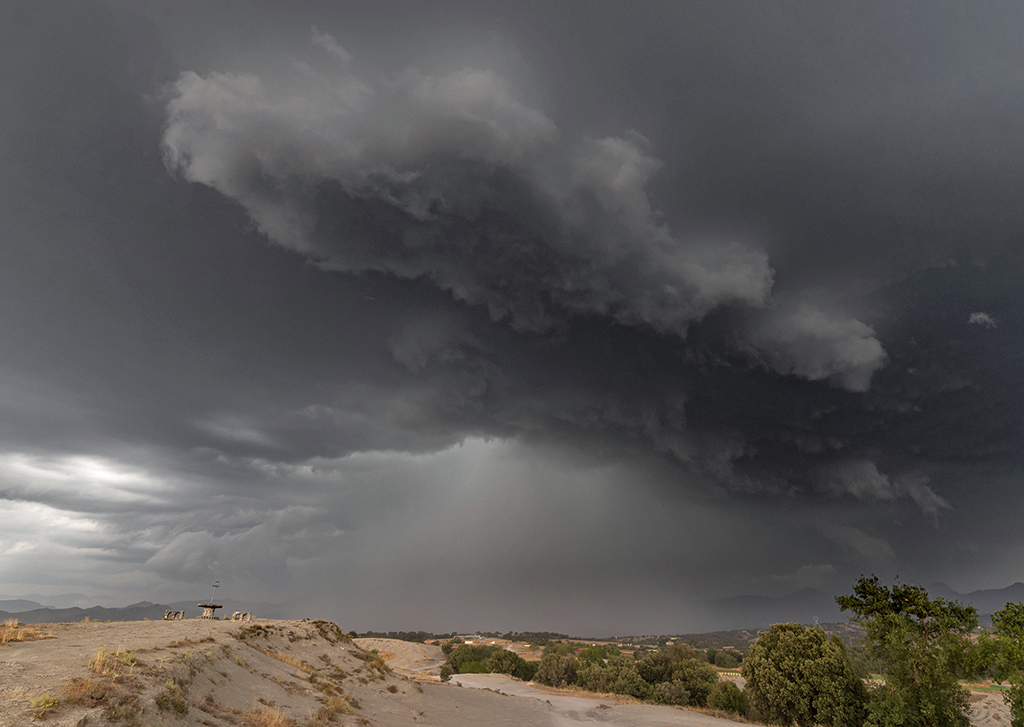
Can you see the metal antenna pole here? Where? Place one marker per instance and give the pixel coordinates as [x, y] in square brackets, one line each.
[213, 593]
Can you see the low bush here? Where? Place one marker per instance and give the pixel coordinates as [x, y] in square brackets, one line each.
[727, 697]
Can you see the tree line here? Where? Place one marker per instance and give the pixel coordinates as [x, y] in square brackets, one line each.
[921, 647]
[675, 675]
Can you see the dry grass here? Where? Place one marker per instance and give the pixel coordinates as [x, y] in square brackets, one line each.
[188, 642]
[256, 717]
[113, 663]
[12, 630]
[328, 713]
[374, 662]
[267, 718]
[303, 666]
[87, 692]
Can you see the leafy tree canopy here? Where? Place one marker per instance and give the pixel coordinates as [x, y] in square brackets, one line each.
[923, 645]
[1005, 650]
[803, 676]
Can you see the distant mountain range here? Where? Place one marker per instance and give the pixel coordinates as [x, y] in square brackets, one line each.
[28, 611]
[808, 606]
[811, 606]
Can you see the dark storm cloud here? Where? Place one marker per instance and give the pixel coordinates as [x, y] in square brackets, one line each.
[442, 178]
[454, 180]
[659, 294]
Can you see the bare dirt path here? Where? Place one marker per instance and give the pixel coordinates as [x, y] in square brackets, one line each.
[989, 710]
[574, 710]
[408, 658]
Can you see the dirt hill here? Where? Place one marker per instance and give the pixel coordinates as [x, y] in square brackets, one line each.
[264, 674]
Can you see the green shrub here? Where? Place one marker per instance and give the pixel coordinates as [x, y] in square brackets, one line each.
[727, 697]
[725, 660]
[803, 676]
[43, 704]
[618, 676]
[556, 671]
[671, 692]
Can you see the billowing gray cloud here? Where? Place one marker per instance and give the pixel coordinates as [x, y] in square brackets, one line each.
[863, 480]
[453, 179]
[807, 342]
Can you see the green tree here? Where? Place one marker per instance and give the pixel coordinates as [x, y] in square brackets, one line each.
[502, 661]
[471, 659]
[618, 676]
[526, 671]
[594, 655]
[801, 675]
[449, 646]
[1007, 651]
[671, 692]
[680, 667]
[562, 649]
[923, 645]
[727, 697]
[556, 671]
[725, 660]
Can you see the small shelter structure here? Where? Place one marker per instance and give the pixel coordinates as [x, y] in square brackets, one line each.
[209, 610]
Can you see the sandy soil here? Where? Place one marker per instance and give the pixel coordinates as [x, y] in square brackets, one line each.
[989, 710]
[287, 674]
[573, 709]
[406, 657]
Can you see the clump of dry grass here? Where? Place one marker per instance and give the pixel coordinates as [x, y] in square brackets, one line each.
[328, 713]
[187, 642]
[375, 662]
[125, 708]
[87, 692]
[13, 630]
[253, 631]
[172, 697]
[113, 663]
[299, 664]
[267, 718]
[256, 717]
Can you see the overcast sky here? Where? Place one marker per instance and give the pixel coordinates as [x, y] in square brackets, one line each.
[534, 315]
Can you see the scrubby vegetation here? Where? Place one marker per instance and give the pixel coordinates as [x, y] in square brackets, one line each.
[913, 649]
[676, 675]
[480, 659]
[418, 637]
